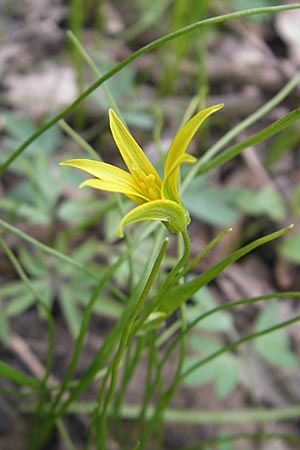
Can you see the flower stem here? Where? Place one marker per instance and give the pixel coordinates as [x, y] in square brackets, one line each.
[186, 253]
[101, 431]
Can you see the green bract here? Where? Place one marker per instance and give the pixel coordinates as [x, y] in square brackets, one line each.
[157, 199]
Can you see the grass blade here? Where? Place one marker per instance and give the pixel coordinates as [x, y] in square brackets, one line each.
[176, 296]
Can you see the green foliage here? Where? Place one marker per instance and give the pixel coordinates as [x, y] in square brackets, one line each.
[35, 196]
[222, 372]
[281, 145]
[125, 92]
[240, 4]
[224, 207]
[203, 301]
[211, 205]
[266, 133]
[273, 347]
[20, 127]
[290, 248]
[163, 316]
[177, 295]
[265, 201]
[56, 280]
[18, 377]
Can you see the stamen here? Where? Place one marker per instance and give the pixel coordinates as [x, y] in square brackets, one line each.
[146, 183]
[152, 193]
[152, 188]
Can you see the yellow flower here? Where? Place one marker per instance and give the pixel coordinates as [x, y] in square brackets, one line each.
[157, 199]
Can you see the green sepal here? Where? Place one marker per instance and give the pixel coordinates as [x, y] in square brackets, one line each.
[173, 215]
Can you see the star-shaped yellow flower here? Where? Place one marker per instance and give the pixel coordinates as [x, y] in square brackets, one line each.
[157, 199]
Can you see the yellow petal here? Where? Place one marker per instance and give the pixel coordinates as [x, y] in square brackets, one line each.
[176, 154]
[111, 186]
[186, 158]
[170, 182]
[174, 216]
[135, 159]
[109, 178]
[101, 170]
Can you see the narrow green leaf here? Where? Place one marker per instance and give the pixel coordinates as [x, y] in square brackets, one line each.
[281, 145]
[4, 326]
[18, 377]
[20, 304]
[266, 133]
[70, 310]
[273, 347]
[26, 237]
[176, 296]
[235, 344]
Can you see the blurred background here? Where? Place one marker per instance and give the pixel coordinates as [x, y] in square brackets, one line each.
[50, 52]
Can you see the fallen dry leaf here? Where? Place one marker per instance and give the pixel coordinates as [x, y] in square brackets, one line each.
[288, 27]
[42, 91]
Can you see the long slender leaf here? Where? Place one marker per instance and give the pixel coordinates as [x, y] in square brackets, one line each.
[235, 344]
[154, 303]
[241, 126]
[266, 133]
[46, 249]
[176, 296]
[196, 416]
[17, 376]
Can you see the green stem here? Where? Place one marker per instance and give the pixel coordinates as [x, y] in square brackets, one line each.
[186, 253]
[95, 70]
[147, 48]
[47, 249]
[76, 24]
[152, 382]
[57, 407]
[130, 365]
[237, 343]
[150, 306]
[101, 431]
[196, 417]
[65, 436]
[200, 255]
[166, 397]
[224, 307]
[77, 138]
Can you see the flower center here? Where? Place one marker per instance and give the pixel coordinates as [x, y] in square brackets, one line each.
[147, 183]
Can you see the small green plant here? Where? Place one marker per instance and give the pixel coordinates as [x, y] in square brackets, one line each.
[164, 317]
